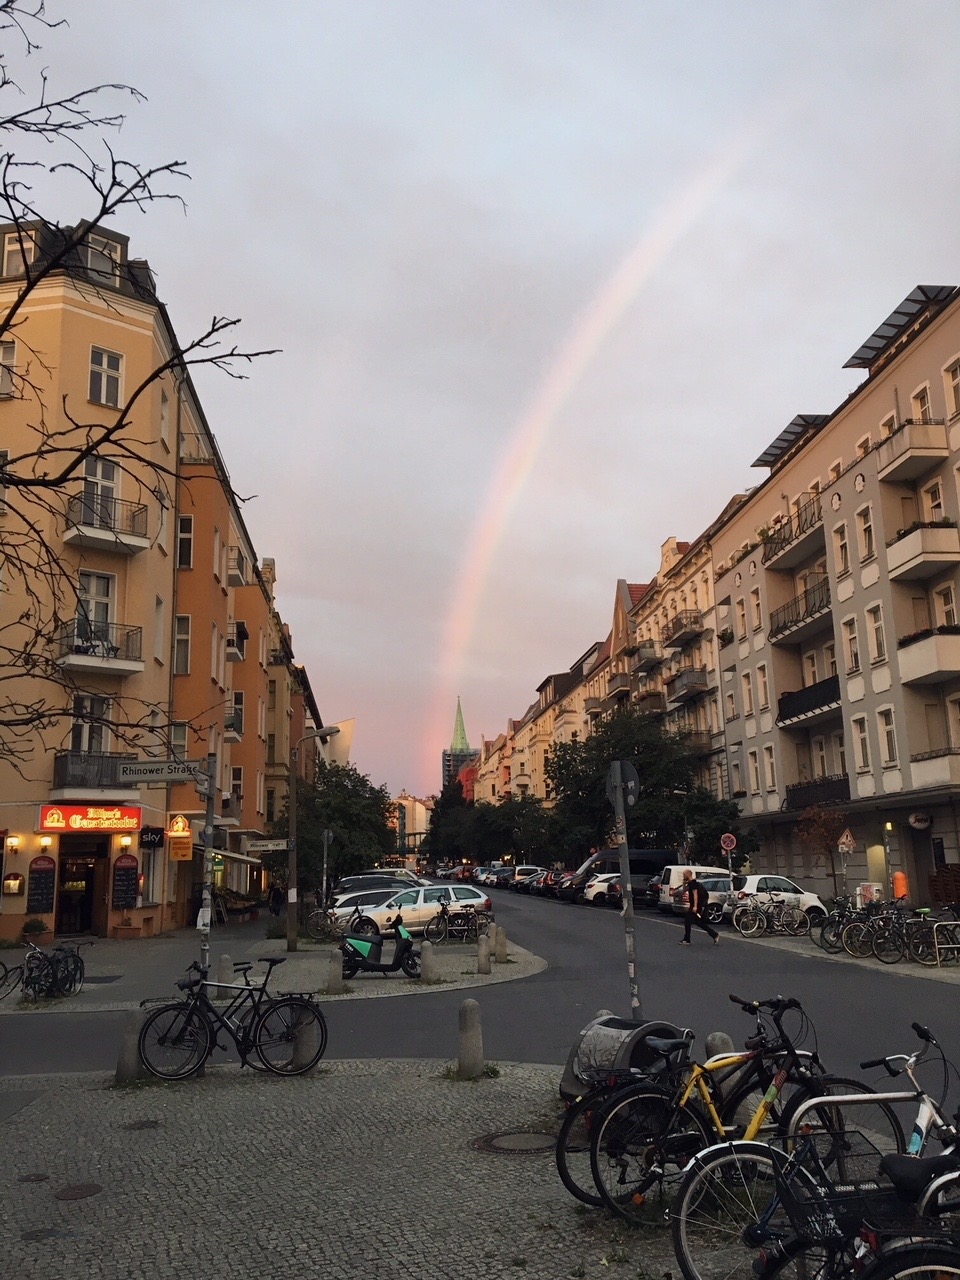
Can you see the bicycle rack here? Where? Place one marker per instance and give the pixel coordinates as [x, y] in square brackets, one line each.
[938, 946]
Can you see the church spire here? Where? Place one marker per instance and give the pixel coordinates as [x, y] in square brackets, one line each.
[459, 742]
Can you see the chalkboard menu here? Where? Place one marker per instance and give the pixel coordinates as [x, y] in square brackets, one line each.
[125, 887]
[41, 886]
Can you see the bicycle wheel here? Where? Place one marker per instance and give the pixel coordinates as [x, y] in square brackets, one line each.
[920, 945]
[840, 1149]
[750, 923]
[928, 1260]
[888, 946]
[829, 932]
[175, 1041]
[856, 940]
[291, 1036]
[436, 929]
[70, 974]
[799, 1259]
[795, 922]
[641, 1139]
[11, 980]
[318, 926]
[572, 1151]
[39, 978]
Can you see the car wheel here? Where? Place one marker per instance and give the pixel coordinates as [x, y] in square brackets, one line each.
[816, 916]
[366, 926]
[599, 899]
[578, 897]
[714, 912]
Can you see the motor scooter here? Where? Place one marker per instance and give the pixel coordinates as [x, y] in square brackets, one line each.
[363, 954]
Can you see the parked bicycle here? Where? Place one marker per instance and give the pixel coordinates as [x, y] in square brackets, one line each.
[324, 925]
[286, 1035]
[463, 924]
[773, 915]
[45, 974]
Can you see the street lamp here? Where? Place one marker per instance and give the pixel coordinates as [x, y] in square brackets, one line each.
[323, 733]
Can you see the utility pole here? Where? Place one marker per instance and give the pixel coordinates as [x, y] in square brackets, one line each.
[327, 837]
[293, 922]
[623, 776]
[206, 905]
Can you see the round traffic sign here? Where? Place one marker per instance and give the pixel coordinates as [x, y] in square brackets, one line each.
[728, 841]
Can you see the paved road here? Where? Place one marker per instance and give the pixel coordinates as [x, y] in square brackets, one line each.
[860, 1010]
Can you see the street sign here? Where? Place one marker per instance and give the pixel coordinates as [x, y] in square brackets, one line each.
[847, 842]
[160, 771]
[264, 846]
[728, 841]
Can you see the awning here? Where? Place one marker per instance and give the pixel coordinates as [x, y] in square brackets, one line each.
[237, 857]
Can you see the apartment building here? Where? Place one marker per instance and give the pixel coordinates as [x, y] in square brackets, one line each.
[837, 582]
[160, 625]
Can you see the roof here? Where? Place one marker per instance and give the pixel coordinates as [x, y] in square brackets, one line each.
[923, 302]
[803, 424]
[637, 591]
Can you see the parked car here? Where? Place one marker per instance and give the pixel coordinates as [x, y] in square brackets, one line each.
[672, 877]
[653, 891]
[530, 884]
[551, 882]
[644, 863]
[520, 874]
[792, 894]
[597, 889]
[418, 906]
[369, 898]
[718, 890]
[363, 884]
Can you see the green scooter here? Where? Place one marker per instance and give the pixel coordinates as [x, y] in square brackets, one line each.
[363, 954]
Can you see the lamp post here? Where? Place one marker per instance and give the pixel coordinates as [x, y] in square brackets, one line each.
[323, 733]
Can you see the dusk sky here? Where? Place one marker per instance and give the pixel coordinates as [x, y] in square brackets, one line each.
[546, 276]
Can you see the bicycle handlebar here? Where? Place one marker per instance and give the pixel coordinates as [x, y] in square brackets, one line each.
[908, 1060]
[777, 1005]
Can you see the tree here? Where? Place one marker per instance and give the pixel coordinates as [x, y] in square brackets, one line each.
[58, 144]
[441, 843]
[818, 829]
[357, 813]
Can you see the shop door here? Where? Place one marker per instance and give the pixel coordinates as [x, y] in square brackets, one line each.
[75, 900]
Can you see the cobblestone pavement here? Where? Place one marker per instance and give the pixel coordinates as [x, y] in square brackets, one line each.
[365, 1167]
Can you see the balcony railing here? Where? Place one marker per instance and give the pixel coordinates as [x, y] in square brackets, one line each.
[804, 702]
[618, 684]
[804, 520]
[110, 640]
[236, 567]
[802, 608]
[237, 636]
[688, 683]
[687, 624]
[233, 723]
[647, 656]
[834, 789]
[112, 515]
[651, 702]
[96, 771]
[592, 706]
[912, 450]
[699, 742]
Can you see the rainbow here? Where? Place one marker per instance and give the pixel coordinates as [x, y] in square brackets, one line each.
[668, 224]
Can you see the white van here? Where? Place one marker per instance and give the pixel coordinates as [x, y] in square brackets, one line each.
[672, 878]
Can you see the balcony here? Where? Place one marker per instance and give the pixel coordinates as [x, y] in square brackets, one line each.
[237, 637]
[834, 789]
[815, 702]
[698, 742]
[680, 630]
[230, 809]
[101, 648]
[651, 702]
[106, 524]
[564, 714]
[929, 657]
[89, 771]
[940, 768]
[592, 706]
[237, 568]
[912, 450]
[647, 657]
[923, 550]
[618, 685]
[795, 539]
[689, 683]
[803, 615]
[233, 726]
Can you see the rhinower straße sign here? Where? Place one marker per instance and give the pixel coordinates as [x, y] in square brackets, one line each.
[69, 818]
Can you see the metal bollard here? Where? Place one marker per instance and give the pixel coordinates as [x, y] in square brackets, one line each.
[225, 976]
[428, 963]
[483, 954]
[501, 945]
[470, 1062]
[335, 974]
[129, 1066]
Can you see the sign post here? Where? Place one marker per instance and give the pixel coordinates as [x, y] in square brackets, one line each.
[845, 846]
[327, 837]
[623, 777]
[728, 842]
[206, 906]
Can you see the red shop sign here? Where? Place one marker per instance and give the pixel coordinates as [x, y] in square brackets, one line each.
[42, 863]
[80, 818]
[127, 860]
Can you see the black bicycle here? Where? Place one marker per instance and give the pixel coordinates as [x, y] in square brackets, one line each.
[286, 1035]
[462, 924]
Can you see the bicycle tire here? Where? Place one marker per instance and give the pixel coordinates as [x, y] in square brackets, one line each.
[38, 976]
[888, 946]
[318, 926]
[828, 935]
[572, 1151]
[291, 1036]
[435, 930]
[70, 975]
[800, 1259]
[175, 1041]
[11, 980]
[751, 923]
[643, 1137]
[856, 940]
[876, 1120]
[932, 1260]
[717, 1217]
[920, 945]
[795, 922]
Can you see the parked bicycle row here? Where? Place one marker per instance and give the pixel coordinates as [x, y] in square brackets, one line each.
[762, 1162]
[45, 975]
[891, 932]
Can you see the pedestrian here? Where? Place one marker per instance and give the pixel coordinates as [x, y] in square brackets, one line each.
[275, 898]
[695, 899]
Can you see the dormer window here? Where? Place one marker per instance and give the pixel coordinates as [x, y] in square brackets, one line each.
[102, 258]
[18, 250]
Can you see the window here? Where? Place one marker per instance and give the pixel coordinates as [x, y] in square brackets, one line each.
[933, 502]
[181, 645]
[272, 694]
[840, 753]
[769, 768]
[836, 470]
[731, 703]
[861, 744]
[4, 459]
[850, 647]
[755, 609]
[260, 784]
[763, 691]
[164, 418]
[819, 758]
[90, 732]
[159, 640]
[98, 501]
[736, 777]
[238, 711]
[214, 652]
[753, 763]
[18, 250]
[8, 363]
[271, 808]
[271, 748]
[875, 638]
[830, 659]
[863, 447]
[945, 602]
[102, 258]
[865, 533]
[105, 370]
[841, 550]
[952, 379]
[95, 611]
[920, 405]
[809, 669]
[217, 543]
[236, 781]
[888, 736]
[888, 426]
[747, 694]
[741, 619]
[179, 743]
[185, 542]
[261, 718]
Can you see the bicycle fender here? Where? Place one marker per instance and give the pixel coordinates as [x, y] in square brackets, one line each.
[738, 1145]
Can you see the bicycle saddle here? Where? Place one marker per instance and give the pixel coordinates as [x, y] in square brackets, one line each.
[911, 1175]
[274, 959]
[666, 1047]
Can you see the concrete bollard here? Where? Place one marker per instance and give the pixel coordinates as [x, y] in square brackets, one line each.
[428, 963]
[501, 945]
[470, 1061]
[335, 974]
[129, 1066]
[718, 1042]
[305, 1044]
[225, 976]
[483, 954]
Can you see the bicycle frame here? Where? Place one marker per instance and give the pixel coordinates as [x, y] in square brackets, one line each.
[698, 1084]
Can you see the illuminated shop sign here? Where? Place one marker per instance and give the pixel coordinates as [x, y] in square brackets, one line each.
[69, 818]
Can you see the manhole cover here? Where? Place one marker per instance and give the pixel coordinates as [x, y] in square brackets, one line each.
[34, 1177]
[47, 1233]
[520, 1143]
[136, 1125]
[78, 1191]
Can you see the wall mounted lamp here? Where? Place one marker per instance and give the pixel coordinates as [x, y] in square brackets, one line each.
[46, 842]
[13, 843]
[126, 842]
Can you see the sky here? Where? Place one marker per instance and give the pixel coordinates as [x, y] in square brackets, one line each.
[546, 278]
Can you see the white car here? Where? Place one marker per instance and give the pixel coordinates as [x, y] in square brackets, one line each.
[595, 890]
[745, 887]
[419, 906]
